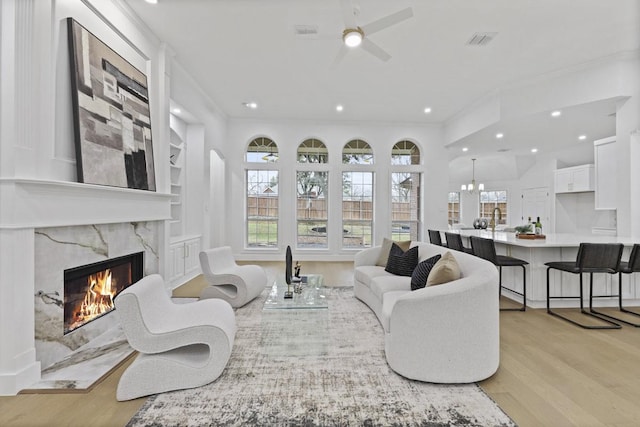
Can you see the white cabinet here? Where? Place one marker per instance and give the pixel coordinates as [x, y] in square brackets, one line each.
[605, 177]
[184, 263]
[575, 179]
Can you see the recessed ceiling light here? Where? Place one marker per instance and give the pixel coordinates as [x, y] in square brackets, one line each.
[251, 105]
[534, 150]
[499, 135]
[427, 110]
[582, 137]
[152, 1]
[556, 113]
[339, 108]
[176, 110]
[465, 149]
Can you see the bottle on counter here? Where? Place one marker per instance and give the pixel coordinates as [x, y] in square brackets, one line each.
[538, 227]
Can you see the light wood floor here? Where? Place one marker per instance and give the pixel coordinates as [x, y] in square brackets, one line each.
[551, 374]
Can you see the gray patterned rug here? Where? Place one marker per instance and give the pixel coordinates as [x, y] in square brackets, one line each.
[317, 368]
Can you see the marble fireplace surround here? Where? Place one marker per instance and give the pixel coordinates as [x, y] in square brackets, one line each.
[46, 227]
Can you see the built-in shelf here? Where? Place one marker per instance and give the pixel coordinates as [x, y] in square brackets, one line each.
[176, 176]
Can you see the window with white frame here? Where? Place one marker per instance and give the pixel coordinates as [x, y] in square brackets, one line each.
[405, 205]
[453, 209]
[490, 200]
[262, 208]
[312, 213]
[357, 152]
[313, 151]
[405, 153]
[262, 150]
[405, 191]
[357, 209]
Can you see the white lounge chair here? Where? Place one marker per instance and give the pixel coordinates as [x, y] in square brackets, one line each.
[180, 345]
[236, 284]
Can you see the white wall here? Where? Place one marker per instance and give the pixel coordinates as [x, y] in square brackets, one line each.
[289, 134]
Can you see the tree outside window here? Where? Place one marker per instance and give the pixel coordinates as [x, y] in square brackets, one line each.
[312, 209]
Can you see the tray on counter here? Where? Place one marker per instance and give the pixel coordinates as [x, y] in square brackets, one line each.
[528, 236]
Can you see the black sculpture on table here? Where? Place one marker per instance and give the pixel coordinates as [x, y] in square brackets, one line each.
[287, 273]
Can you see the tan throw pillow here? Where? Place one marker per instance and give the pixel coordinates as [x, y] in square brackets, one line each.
[386, 248]
[445, 270]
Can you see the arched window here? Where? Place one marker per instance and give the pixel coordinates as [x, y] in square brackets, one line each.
[405, 153]
[262, 150]
[357, 152]
[313, 151]
[405, 191]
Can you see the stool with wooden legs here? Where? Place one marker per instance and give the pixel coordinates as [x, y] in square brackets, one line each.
[486, 248]
[592, 258]
[626, 267]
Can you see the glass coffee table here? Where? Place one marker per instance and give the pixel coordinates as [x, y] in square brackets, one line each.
[311, 296]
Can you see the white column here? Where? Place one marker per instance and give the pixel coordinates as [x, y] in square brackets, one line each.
[18, 365]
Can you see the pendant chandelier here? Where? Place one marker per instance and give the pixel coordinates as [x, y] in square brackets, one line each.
[471, 187]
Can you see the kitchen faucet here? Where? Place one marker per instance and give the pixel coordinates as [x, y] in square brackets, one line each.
[493, 221]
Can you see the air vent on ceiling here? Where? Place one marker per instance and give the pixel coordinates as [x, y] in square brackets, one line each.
[503, 150]
[305, 30]
[481, 39]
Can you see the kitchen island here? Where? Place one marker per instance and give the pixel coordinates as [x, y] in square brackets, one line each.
[557, 247]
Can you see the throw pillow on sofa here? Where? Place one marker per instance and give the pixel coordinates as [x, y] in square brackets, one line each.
[386, 248]
[402, 263]
[445, 270]
[421, 272]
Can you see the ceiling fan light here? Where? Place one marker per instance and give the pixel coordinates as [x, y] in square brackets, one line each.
[352, 37]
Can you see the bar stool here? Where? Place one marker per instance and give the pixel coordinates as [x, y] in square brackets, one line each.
[434, 237]
[454, 241]
[486, 249]
[591, 258]
[626, 267]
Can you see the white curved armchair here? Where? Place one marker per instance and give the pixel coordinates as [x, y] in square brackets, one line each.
[180, 345]
[236, 284]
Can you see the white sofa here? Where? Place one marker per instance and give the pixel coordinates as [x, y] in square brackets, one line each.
[447, 333]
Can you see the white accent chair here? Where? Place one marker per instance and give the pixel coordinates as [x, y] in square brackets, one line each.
[236, 284]
[180, 345]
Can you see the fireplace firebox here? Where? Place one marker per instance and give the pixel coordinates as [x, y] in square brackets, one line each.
[89, 290]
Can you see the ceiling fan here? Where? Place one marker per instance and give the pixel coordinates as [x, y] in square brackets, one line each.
[355, 35]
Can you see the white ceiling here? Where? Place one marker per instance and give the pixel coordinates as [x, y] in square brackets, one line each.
[246, 50]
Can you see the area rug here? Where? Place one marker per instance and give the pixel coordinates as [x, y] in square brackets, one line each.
[317, 368]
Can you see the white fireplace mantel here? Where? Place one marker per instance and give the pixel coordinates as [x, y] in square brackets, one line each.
[27, 205]
[30, 203]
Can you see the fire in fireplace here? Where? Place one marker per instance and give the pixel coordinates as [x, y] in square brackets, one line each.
[89, 290]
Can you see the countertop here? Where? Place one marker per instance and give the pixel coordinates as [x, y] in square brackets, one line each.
[565, 240]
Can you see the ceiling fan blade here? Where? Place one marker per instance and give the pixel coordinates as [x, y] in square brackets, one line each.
[375, 50]
[387, 21]
[347, 13]
[341, 53]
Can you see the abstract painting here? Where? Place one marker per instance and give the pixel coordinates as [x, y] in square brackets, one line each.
[112, 120]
